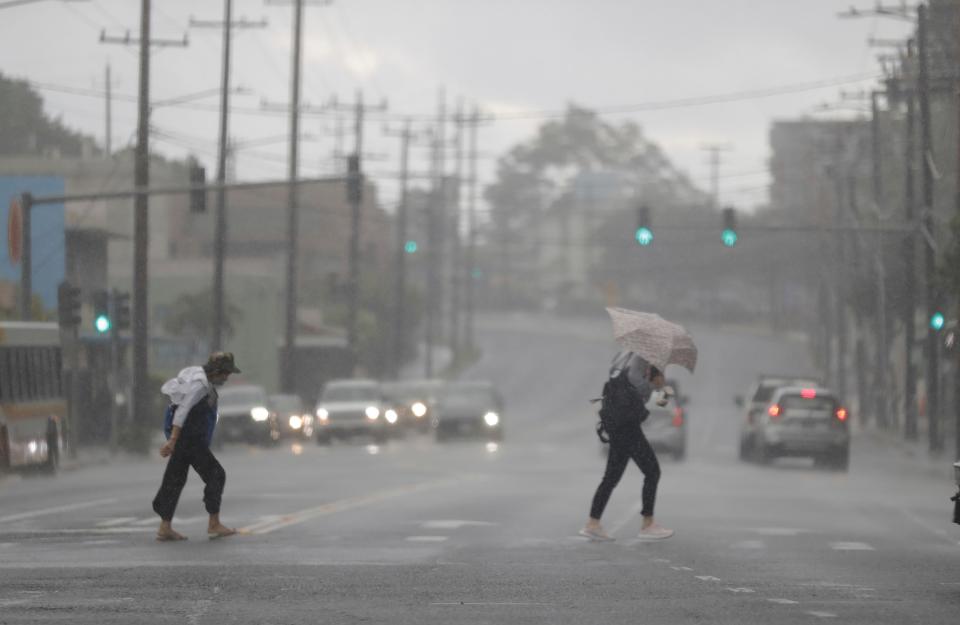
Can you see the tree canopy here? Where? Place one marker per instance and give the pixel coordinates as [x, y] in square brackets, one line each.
[24, 127]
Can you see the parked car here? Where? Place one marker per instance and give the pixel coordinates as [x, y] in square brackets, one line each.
[244, 415]
[292, 419]
[414, 401]
[759, 398]
[468, 409]
[801, 421]
[353, 407]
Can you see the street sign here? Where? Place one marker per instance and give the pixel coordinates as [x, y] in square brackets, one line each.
[15, 231]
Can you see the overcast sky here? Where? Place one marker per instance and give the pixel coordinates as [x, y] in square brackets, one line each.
[508, 56]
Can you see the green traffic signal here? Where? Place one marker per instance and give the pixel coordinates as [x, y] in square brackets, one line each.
[644, 236]
[729, 237]
[411, 247]
[937, 321]
[102, 324]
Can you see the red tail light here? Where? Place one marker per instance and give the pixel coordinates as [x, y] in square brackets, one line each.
[774, 410]
[677, 417]
[808, 393]
[842, 414]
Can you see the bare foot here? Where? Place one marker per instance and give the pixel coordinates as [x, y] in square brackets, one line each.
[219, 531]
[168, 534]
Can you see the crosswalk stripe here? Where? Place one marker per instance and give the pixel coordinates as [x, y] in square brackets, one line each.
[123, 520]
[851, 546]
[65, 508]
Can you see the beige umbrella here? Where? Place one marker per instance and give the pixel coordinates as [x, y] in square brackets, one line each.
[653, 338]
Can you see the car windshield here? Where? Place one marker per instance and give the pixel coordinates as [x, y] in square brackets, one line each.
[468, 396]
[768, 386]
[410, 392]
[286, 403]
[351, 393]
[241, 397]
[795, 406]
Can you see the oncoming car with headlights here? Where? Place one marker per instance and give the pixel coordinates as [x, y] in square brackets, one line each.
[353, 407]
[414, 401]
[292, 419]
[469, 409]
[244, 415]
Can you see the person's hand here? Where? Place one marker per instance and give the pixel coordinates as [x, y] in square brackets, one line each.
[167, 448]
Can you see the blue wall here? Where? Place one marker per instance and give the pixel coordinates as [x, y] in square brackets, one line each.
[47, 234]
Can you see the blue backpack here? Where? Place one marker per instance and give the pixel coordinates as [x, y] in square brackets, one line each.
[168, 422]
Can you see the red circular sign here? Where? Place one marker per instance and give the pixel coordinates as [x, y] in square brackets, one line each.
[15, 231]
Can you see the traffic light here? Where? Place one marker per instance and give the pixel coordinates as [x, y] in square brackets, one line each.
[411, 247]
[937, 321]
[121, 310]
[729, 235]
[198, 197]
[68, 305]
[101, 312]
[643, 235]
[354, 180]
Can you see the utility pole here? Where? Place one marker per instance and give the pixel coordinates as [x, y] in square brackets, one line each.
[108, 103]
[909, 247]
[406, 135]
[456, 260]
[470, 261]
[287, 369]
[435, 218]
[140, 402]
[223, 150]
[927, 224]
[956, 387]
[715, 150]
[355, 199]
[880, 364]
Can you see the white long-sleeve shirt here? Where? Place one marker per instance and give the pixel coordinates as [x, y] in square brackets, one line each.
[186, 390]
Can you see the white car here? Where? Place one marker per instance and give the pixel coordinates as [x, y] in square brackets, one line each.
[353, 407]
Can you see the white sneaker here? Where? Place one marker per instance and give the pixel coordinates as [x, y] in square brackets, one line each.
[596, 535]
[654, 532]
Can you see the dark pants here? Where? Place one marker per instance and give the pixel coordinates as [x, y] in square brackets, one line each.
[188, 454]
[634, 446]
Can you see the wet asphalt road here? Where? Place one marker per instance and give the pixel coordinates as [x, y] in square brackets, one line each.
[416, 532]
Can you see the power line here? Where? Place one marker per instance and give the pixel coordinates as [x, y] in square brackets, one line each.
[655, 105]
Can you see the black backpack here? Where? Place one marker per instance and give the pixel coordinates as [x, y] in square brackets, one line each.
[620, 406]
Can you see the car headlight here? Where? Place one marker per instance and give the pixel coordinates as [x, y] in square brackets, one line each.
[323, 414]
[372, 412]
[260, 413]
[418, 409]
[492, 419]
[32, 447]
[296, 422]
[391, 416]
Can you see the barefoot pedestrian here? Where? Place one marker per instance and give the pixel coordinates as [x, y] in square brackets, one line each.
[190, 421]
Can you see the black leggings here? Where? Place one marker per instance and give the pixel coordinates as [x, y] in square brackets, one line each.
[188, 454]
[638, 448]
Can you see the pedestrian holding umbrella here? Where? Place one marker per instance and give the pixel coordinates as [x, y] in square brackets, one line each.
[650, 343]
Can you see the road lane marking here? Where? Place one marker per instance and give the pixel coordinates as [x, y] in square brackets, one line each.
[343, 505]
[6, 603]
[426, 539]
[453, 524]
[517, 604]
[778, 531]
[47, 511]
[851, 547]
[124, 520]
[819, 614]
[742, 590]
[707, 578]
[681, 568]
[783, 601]
[749, 544]
[92, 530]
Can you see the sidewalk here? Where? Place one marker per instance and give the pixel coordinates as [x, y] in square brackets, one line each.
[914, 455]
